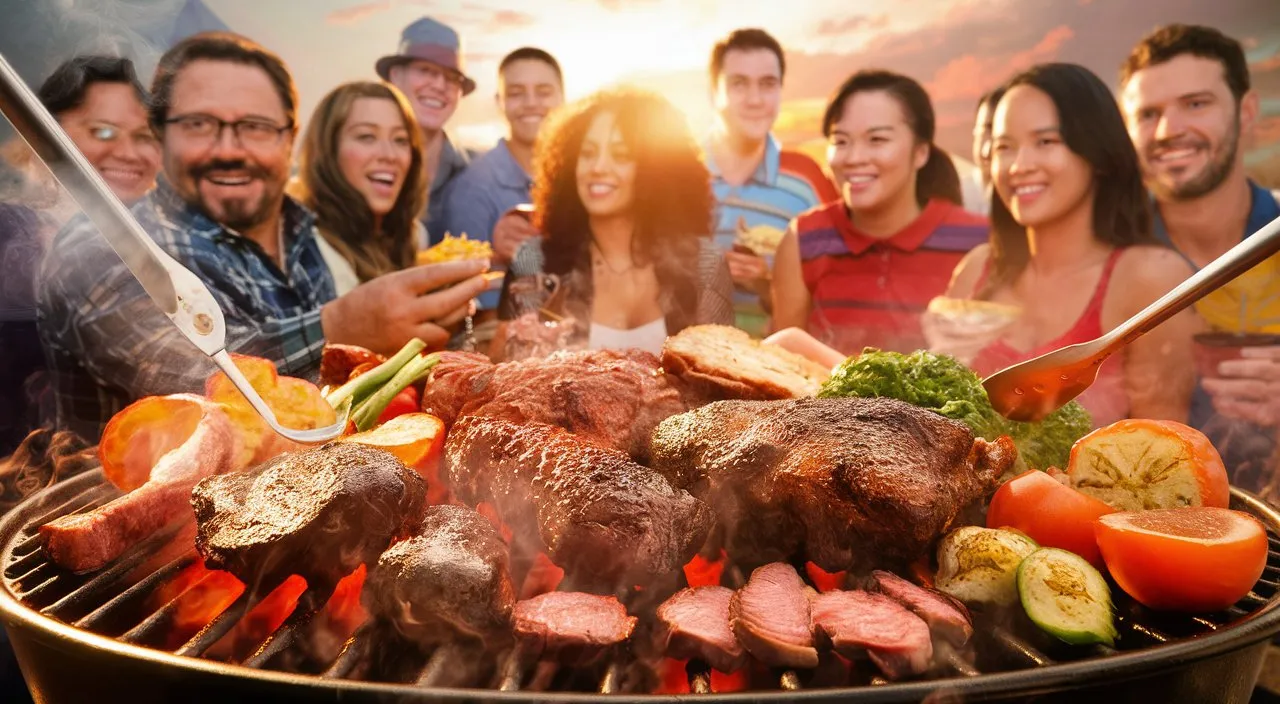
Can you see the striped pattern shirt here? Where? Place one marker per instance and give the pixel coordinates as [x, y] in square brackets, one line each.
[869, 292]
[784, 185]
[108, 344]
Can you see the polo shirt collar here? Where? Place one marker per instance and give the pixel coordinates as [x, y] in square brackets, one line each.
[908, 239]
[766, 172]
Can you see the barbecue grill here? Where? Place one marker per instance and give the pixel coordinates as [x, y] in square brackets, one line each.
[85, 637]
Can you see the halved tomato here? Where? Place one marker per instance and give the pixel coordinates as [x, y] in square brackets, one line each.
[1048, 512]
[1184, 559]
[1149, 464]
[144, 431]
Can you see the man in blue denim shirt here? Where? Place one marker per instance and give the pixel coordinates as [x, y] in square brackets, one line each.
[1187, 100]
[530, 85]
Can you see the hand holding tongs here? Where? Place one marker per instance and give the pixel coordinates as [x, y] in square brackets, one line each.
[179, 293]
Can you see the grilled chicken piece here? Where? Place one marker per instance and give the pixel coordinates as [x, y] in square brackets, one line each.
[572, 627]
[946, 617]
[771, 617]
[88, 541]
[847, 483]
[449, 581]
[695, 626]
[318, 513]
[896, 640]
[607, 521]
[613, 398]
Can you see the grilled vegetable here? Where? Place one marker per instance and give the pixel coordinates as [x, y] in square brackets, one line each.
[1066, 597]
[1184, 559]
[1049, 512]
[980, 565]
[1144, 464]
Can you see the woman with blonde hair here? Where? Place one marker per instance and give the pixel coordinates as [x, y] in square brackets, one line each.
[360, 171]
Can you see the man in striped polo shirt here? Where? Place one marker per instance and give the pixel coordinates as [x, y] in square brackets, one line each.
[759, 187]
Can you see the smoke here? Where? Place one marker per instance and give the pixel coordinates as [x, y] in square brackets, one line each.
[43, 458]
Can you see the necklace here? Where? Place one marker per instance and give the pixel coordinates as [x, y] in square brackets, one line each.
[605, 262]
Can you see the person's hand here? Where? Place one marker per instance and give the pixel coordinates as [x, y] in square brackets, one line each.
[748, 271]
[1249, 388]
[509, 233]
[421, 302]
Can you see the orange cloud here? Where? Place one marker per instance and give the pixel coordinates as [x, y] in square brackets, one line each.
[1271, 63]
[509, 19]
[967, 77]
[832, 27]
[357, 13]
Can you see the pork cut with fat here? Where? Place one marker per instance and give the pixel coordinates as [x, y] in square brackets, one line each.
[695, 625]
[88, 541]
[896, 640]
[450, 580]
[771, 617]
[572, 627]
[947, 617]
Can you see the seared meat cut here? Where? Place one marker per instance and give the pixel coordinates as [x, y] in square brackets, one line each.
[88, 541]
[771, 617]
[318, 513]
[613, 398]
[695, 625]
[896, 640]
[848, 483]
[448, 581]
[571, 626]
[607, 521]
[946, 617]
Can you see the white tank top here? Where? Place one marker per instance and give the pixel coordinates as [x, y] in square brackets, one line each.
[648, 337]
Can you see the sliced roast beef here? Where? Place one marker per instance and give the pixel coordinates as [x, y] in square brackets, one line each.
[897, 641]
[573, 627]
[771, 617]
[947, 617]
[695, 625]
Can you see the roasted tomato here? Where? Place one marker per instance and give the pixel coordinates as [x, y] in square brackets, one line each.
[405, 402]
[1142, 464]
[1049, 513]
[1184, 559]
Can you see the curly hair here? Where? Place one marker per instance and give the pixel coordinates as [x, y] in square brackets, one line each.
[673, 200]
[344, 217]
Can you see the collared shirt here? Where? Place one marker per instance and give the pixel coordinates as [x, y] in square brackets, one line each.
[453, 162]
[493, 184]
[869, 292]
[757, 212]
[106, 341]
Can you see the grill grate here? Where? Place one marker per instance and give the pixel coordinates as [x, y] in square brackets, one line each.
[113, 602]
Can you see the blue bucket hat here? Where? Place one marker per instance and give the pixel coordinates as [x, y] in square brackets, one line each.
[428, 40]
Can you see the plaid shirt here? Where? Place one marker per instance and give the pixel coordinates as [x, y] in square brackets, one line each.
[106, 341]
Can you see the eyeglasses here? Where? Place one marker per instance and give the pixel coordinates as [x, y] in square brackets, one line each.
[250, 133]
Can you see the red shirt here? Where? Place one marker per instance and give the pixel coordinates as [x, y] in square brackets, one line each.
[869, 292]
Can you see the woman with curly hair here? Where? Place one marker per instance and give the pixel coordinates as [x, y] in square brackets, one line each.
[624, 203]
[360, 171]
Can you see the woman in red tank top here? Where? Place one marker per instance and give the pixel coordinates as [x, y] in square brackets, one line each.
[1071, 246]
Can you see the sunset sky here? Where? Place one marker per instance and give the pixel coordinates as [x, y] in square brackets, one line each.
[957, 48]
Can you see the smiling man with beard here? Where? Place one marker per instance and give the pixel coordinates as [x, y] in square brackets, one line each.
[225, 110]
[1187, 100]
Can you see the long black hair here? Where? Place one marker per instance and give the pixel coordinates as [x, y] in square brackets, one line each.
[1092, 127]
[938, 177]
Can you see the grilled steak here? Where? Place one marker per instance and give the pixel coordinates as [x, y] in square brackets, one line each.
[571, 626]
[317, 513]
[848, 483]
[613, 398]
[771, 617]
[695, 625]
[448, 581]
[946, 617]
[88, 541]
[607, 521]
[897, 641]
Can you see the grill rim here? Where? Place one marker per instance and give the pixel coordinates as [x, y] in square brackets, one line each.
[1255, 627]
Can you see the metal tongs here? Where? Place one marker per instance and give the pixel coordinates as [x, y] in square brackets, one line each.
[179, 293]
[1033, 389]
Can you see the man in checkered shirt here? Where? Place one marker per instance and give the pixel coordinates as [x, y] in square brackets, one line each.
[225, 111]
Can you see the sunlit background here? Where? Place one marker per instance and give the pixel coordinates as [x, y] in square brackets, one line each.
[957, 48]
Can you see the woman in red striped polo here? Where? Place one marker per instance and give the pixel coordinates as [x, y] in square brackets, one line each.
[860, 271]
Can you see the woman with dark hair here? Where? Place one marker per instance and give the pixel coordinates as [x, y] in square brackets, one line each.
[360, 171]
[858, 272]
[1071, 246]
[624, 201]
